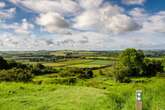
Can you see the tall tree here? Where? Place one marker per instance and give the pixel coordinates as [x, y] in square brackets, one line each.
[3, 63]
[134, 60]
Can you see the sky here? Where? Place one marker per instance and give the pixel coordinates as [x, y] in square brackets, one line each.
[82, 24]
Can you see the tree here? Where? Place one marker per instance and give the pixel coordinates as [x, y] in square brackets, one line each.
[120, 73]
[3, 63]
[152, 67]
[133, 60]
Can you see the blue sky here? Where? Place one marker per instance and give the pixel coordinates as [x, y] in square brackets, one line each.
[82, 24]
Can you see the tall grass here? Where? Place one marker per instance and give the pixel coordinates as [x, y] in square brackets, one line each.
[92, 94]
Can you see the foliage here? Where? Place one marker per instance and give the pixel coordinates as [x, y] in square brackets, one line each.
[3, 63]
[133, 60]
[120, 73]
[77, 72]
[132, 63]
[16, 75]
[152, 67]
[40, 69]
[13, 71]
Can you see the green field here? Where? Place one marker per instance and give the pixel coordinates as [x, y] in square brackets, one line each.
[65, 89]
[82, 63]
[92, 94]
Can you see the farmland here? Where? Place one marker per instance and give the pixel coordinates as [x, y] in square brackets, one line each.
[61, 89]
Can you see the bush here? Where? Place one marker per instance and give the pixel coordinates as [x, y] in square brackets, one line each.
[15, 74]
[40, 69]
[120, 73]
[152, 67]
[3, 63]
[86, 74]
[76, 72]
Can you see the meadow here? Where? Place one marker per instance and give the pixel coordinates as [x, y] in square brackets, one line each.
[92, 94]
[51, 91]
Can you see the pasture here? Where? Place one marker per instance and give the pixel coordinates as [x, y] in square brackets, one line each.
[93, 94]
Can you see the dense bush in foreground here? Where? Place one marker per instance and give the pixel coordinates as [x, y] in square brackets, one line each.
[16, 74]
[13, 71]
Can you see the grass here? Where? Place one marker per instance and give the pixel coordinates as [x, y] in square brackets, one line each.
[99, 93]
[67, 63]
[79, 63]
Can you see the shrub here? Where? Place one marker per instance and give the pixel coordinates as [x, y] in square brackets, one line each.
[40, 69]
[3, 63]
[15, 74]
[88, 73]
[120, 73]
[152, 67]
[76, 72]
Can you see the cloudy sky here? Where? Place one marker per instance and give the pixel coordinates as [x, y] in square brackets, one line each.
[82, 24]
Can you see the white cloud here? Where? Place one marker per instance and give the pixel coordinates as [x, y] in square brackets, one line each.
[25, 27]
[100, 20]
[83, 41]
[122, 23]
[140, 15]
[45, 6]
[137, 12]
[7, 13]
[155, 23]
[106, 19]
[90, 4]
[95, 14]
[133, 2]
[2, 4]
[52, 22]
[21, 28]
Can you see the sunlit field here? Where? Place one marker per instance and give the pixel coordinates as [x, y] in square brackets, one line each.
[61, 85]
[92, 94]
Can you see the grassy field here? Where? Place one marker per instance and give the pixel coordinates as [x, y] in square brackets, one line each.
[82, 63]
[68, 62]
[100, 92]
[93, 94]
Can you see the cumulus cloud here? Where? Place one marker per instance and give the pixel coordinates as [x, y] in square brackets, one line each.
[22, 28]
[44, 6]
[139, 15]
[90, 4]
[91, 25]
[7, 13]
[137, 12]
[122, 23]
[52, 22]
[95, 15]
[133, 2]
[155, 23]
[106, 19]
[2, 4]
